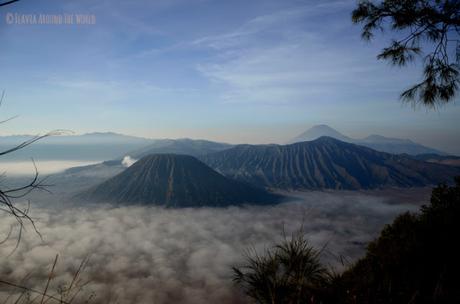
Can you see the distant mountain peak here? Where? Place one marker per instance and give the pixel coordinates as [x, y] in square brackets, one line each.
[323, 126]
[111, 134]
[103, 133]
[318, 131]
[373, 141]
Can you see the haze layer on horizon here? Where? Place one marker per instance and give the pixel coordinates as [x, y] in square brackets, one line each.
[231, 71]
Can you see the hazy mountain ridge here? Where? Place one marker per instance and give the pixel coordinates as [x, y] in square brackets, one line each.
[187, 146]
[102, 146]
[325, 163]
[373, 141]
[174, 180]
[66, 138]
[327, 172]
[91, 146]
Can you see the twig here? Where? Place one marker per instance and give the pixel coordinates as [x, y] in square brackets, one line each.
[49, 278]
[8, 2]
[32, 290]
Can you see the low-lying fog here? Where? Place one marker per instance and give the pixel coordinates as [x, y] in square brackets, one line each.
[155, 255]
[26, 168]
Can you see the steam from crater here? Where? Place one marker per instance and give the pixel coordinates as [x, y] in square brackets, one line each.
[128, 161]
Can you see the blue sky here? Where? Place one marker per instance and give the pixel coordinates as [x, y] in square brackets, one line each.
[235, 71]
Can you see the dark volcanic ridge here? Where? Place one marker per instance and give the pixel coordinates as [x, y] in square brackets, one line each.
[325, 163]
[174, 180]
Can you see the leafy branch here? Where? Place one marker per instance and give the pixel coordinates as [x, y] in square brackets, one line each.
[436, 23]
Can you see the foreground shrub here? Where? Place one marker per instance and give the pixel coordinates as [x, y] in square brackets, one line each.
[414, 260]
[290, 272]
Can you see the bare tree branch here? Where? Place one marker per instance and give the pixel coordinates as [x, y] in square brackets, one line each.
[32, 140]
[9, 196]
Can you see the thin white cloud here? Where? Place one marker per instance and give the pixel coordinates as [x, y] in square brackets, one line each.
[108, 91]
[283, 57]
[268, 22]
[299, 71]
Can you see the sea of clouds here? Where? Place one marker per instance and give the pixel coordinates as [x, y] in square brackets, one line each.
[155, 255]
